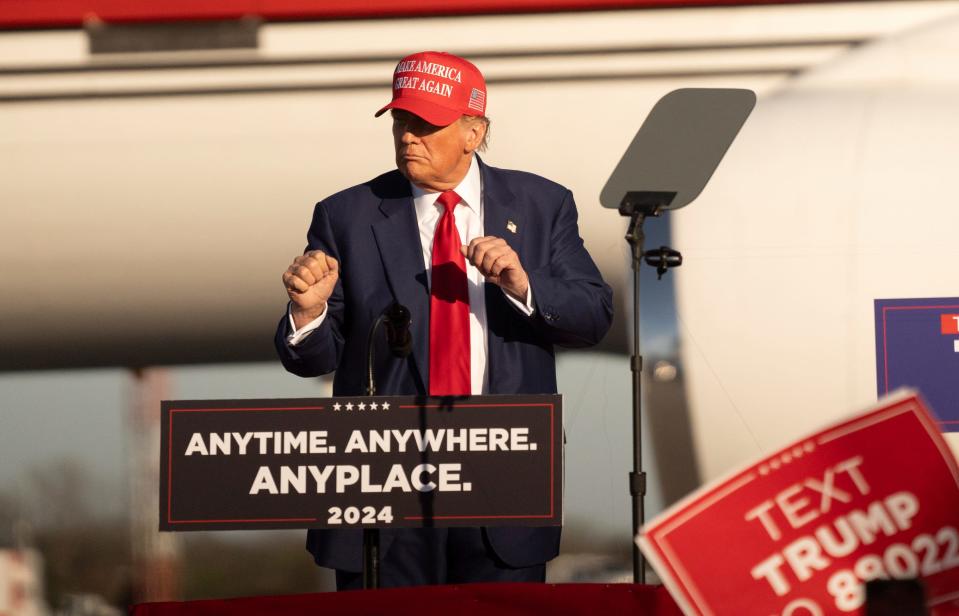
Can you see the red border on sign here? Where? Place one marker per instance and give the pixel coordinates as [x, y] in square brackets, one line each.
[552, 465]
[693, 504]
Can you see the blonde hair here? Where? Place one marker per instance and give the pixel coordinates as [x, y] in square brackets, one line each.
[485, 120]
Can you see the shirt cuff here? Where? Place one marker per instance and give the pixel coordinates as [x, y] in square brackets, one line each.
[525, 308]
[299, 335]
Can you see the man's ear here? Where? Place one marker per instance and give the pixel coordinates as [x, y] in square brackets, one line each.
[475, 132]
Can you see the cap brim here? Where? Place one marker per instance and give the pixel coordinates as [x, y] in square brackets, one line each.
[432, 113]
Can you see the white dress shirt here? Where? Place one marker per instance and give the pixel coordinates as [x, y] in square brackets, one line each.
[469, 223]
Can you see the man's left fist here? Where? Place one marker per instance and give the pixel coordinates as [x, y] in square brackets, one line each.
[499, 264]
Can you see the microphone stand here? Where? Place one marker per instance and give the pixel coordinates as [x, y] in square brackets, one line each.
[638, 206]
[396, 317]
[370, 342]
[371, 536]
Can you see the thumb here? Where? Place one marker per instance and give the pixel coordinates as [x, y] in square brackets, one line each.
[463, 250]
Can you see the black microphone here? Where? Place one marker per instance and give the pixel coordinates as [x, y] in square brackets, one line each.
[397, 323]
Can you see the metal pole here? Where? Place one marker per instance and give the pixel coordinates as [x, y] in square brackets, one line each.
[637, 478]
[371, 558]
[371, 536]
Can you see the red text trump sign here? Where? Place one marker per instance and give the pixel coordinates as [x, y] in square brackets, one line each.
[799, 532]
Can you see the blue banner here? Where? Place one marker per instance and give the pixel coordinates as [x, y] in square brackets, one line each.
[917, 345]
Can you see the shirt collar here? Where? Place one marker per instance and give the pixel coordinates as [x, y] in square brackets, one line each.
[468, 189]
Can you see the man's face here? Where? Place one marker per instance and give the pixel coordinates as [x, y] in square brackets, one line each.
[433, 157]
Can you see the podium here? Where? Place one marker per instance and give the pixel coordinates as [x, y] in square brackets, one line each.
[361, 462]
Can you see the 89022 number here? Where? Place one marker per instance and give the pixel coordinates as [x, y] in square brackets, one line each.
[926, 556]
[356, 515]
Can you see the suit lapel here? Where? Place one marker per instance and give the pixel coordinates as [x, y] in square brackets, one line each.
[501, 218]
[398, 240]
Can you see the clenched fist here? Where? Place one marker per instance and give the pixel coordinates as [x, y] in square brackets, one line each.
[499, 264]
[309, 282]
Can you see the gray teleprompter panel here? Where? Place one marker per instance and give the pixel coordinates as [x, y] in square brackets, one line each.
[680, 144]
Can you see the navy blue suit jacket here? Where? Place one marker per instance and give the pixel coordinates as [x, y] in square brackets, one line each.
[371, 229]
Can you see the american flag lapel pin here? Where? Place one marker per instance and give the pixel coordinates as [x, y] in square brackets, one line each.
[511, 226]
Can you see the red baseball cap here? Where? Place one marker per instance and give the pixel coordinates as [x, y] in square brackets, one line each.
[438, 87]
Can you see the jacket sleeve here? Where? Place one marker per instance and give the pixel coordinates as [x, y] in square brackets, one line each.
[319, 353]
[574, 305]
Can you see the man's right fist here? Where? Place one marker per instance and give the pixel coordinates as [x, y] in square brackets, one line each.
[309, 282]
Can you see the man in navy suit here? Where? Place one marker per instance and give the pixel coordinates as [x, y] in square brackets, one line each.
[493, 270]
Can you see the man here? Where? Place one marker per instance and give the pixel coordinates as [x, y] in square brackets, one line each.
[493, 270]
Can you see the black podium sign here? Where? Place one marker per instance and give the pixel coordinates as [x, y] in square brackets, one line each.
[361, 462]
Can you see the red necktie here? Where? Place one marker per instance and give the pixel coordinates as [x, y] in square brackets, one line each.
[449, 308]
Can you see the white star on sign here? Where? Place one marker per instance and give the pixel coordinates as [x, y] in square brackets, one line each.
[386, 406]
[374, 406]
[349, 406]
[337, 406]
[362, 406]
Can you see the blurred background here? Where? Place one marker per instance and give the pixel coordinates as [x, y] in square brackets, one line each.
[158, 167]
